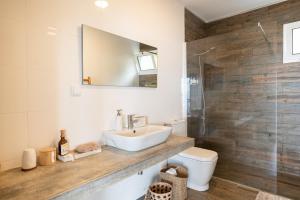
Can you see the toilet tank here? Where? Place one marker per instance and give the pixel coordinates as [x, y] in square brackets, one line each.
[178, 127]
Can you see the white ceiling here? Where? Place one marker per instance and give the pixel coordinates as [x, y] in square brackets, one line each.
[212, 10]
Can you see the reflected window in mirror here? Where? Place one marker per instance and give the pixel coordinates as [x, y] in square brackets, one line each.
[296, 41]
[146, 62]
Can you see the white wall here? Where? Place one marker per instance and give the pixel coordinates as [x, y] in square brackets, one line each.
[40, 58]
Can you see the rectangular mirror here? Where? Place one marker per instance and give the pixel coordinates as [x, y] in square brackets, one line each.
[111, 60]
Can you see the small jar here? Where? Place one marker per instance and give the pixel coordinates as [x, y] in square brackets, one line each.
[47, 156]
[28, 159]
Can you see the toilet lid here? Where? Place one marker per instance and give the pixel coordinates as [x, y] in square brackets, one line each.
[199, 154]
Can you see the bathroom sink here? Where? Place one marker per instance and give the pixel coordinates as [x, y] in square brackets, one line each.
[137, 139]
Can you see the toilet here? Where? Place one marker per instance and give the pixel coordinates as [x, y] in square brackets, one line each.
[200, 162]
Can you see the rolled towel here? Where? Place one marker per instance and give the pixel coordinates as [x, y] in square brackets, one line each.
[172, 171]
[91, 146]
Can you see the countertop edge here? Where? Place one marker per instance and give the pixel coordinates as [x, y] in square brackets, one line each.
[101, 183]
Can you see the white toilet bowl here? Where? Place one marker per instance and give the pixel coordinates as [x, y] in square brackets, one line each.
[200, 163]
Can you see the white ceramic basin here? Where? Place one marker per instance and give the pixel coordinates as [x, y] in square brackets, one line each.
[137, 139]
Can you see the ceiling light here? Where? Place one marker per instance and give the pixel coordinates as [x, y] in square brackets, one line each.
[101, 3]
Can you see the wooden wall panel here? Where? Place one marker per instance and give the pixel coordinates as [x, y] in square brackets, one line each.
[252, 99]
[194, 27]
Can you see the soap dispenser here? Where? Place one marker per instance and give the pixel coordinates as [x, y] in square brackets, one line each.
[119, 120]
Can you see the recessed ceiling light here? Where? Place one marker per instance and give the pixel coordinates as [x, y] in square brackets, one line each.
[101, 3]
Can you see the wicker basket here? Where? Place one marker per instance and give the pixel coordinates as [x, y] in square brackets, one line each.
[178, 182]
[159, 191]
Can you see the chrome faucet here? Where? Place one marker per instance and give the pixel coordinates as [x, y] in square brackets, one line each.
[131, 121]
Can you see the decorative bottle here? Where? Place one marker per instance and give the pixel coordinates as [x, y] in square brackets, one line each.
[119, 120]
[63, 145]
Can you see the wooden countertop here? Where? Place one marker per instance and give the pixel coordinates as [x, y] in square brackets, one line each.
[72, 179]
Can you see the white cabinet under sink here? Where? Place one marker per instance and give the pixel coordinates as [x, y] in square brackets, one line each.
[132, 187]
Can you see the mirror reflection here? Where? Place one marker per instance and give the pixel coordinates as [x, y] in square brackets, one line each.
[296, 41]
[111, 60]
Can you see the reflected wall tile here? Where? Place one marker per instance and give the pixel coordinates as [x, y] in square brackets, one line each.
[46, 11]
[42, 90]
[42, 48]
[42, 129]
[10, 164]
[13, 132]
[13, 44]
[12, 9]
[13, 90]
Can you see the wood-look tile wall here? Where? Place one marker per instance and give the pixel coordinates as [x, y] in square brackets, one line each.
[194, 27]
[252, 99]
[149, 80]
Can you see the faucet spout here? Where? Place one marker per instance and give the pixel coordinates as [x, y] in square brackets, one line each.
[131, 121]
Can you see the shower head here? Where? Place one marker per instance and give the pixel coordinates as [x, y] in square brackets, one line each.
[205, 52]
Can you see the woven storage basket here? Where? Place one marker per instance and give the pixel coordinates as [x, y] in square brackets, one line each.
[179, 182]
[159, 191]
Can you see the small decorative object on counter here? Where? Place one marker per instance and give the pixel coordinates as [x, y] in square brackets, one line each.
[124, 120]
[47, 156]
[87, 149]
[91, 146]
[119, 120]
[159, 191]
[63, 145]
[178, 181]
[66, 158]
[81, 151]
[28, 159]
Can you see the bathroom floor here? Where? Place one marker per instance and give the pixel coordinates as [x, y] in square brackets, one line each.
[281, 184]
[224, 190]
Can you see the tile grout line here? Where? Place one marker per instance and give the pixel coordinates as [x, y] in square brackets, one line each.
[27, 76]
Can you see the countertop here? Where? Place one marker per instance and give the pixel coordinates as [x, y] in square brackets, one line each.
[68, 180]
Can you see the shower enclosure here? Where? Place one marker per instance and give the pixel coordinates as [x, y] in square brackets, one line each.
[242, 104]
